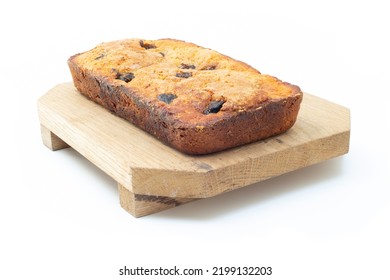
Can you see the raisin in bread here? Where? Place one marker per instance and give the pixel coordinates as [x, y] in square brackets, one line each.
[192, 98]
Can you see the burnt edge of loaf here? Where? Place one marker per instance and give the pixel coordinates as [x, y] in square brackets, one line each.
[235, 130]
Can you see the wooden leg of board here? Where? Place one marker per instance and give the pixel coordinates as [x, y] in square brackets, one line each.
[52, 141]
[140, 205]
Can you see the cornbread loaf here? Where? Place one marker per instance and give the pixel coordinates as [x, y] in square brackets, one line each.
[192, 98]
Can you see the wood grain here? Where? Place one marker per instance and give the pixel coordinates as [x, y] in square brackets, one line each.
[144, 166]
[140, 205]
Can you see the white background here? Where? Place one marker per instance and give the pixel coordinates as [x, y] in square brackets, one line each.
[60, 216]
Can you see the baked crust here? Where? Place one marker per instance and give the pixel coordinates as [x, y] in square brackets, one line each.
[191, 98]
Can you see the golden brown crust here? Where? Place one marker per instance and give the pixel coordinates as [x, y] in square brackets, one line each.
[194, 99]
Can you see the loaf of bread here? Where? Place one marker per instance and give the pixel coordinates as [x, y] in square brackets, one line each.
[194, 99]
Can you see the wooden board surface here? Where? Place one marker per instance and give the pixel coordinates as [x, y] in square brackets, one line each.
[145, 166]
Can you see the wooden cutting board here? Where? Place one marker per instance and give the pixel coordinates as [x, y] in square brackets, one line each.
[152, 176]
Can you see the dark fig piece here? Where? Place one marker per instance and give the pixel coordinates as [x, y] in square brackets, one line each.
[213, 107]
[183, 74]
[187, 66]
[126, 77]
[209, 67]
[166, 97]
[100, 56]
[146, 46]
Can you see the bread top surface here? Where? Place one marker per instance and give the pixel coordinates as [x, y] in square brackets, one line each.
[193, 84]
